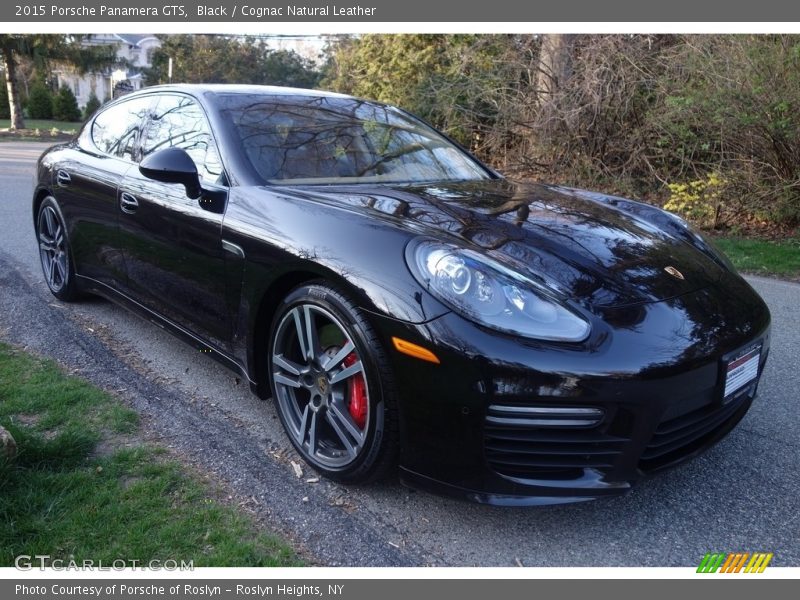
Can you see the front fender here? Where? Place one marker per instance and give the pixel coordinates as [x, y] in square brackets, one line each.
[286, 241]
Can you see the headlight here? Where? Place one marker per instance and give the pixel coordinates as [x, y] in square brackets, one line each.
[490, 294]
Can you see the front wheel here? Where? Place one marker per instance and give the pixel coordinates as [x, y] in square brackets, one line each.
[54, 251]
[332, 385]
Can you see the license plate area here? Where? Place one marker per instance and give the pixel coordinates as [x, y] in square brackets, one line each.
[740, 372]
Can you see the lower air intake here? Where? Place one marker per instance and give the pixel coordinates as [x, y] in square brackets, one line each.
[538, 442]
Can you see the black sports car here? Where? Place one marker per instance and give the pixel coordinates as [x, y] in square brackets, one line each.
[400, 301]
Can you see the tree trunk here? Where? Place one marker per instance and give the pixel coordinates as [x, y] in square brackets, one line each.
[555, 68]
[555, 63]
[14, 105]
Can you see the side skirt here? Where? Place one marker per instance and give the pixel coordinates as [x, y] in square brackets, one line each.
[117, 297]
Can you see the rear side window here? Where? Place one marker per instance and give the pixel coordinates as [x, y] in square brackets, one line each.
[178, 121]
[116, 129]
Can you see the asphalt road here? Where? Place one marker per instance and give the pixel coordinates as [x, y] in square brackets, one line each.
[742, 495]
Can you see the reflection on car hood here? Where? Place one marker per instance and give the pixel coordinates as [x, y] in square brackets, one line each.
[586, 246]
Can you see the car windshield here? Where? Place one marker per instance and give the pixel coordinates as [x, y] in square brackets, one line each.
[313, 140]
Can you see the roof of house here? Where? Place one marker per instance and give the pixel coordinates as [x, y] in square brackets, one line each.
[134, 39]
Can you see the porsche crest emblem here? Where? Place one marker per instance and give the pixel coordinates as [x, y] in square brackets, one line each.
[674, 272]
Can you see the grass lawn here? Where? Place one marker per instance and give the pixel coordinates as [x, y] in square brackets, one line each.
[763, 257]
[46, 125]
[77, 491]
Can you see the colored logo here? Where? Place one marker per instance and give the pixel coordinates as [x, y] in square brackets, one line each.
[735, 562]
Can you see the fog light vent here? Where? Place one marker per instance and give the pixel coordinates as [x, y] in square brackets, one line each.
[545, 442]
[543, 416]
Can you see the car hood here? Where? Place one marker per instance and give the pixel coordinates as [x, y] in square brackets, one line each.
[584, 246]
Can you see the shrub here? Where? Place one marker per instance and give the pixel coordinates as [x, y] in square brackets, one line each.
[65, 106]
[40, 102]
[91, 106]
[698, 200]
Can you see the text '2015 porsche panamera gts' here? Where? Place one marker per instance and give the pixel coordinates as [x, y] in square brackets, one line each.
[508, 343]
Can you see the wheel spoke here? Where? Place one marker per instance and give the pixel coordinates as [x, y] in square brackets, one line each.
[344, 418]
[286, 380]
[300, 331]
[301, 432]
[48, 217]
[51, 272]
[45, 239]
[308, 432]
[339, 356]
[313, 428]
[356, 367]
[47, 265]
[58, 237]
[61, 265]
[279, 360]
[312, 340]
[337, 427]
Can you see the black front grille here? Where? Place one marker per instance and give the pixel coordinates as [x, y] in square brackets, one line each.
[679, 437]
[523, 448]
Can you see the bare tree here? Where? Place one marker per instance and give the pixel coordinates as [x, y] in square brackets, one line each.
[555, 63]
[7, 47]
[556, 55]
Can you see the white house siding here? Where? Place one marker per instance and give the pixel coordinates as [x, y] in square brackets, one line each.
[135, 48]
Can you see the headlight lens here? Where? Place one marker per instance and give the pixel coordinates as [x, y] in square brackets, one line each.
[488, 293]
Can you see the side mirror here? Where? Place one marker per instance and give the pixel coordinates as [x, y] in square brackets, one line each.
[173, 165]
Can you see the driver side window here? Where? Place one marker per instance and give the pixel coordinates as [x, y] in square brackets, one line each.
[116, 129]
[177, 121]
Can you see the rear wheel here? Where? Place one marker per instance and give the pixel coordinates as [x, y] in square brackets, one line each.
[332, 385]
[54, 251]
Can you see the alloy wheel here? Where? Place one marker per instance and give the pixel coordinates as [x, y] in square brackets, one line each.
[320, 385]
[53, 249]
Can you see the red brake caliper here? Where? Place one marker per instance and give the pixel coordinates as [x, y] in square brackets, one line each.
[358, 393]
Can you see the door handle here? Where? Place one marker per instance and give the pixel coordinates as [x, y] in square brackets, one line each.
[63, 178]
[128, 203]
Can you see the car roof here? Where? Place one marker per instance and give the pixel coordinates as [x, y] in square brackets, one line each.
[232, 88]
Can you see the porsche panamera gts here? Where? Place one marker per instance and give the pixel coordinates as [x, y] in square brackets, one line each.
[402, 303]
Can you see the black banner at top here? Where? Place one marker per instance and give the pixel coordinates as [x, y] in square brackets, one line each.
[460, 11]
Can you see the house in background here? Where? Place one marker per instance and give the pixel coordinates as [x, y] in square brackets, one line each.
[133, 50]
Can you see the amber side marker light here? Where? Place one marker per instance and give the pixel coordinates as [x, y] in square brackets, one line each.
[413, 350]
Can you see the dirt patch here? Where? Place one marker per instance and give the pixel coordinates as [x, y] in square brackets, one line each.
[127, 482]
[111, 442]
[27, 420]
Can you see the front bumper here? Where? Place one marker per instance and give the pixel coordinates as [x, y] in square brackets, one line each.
[657, 377]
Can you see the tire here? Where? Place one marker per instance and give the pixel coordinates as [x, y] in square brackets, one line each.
[337, 400]
[54, 251]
